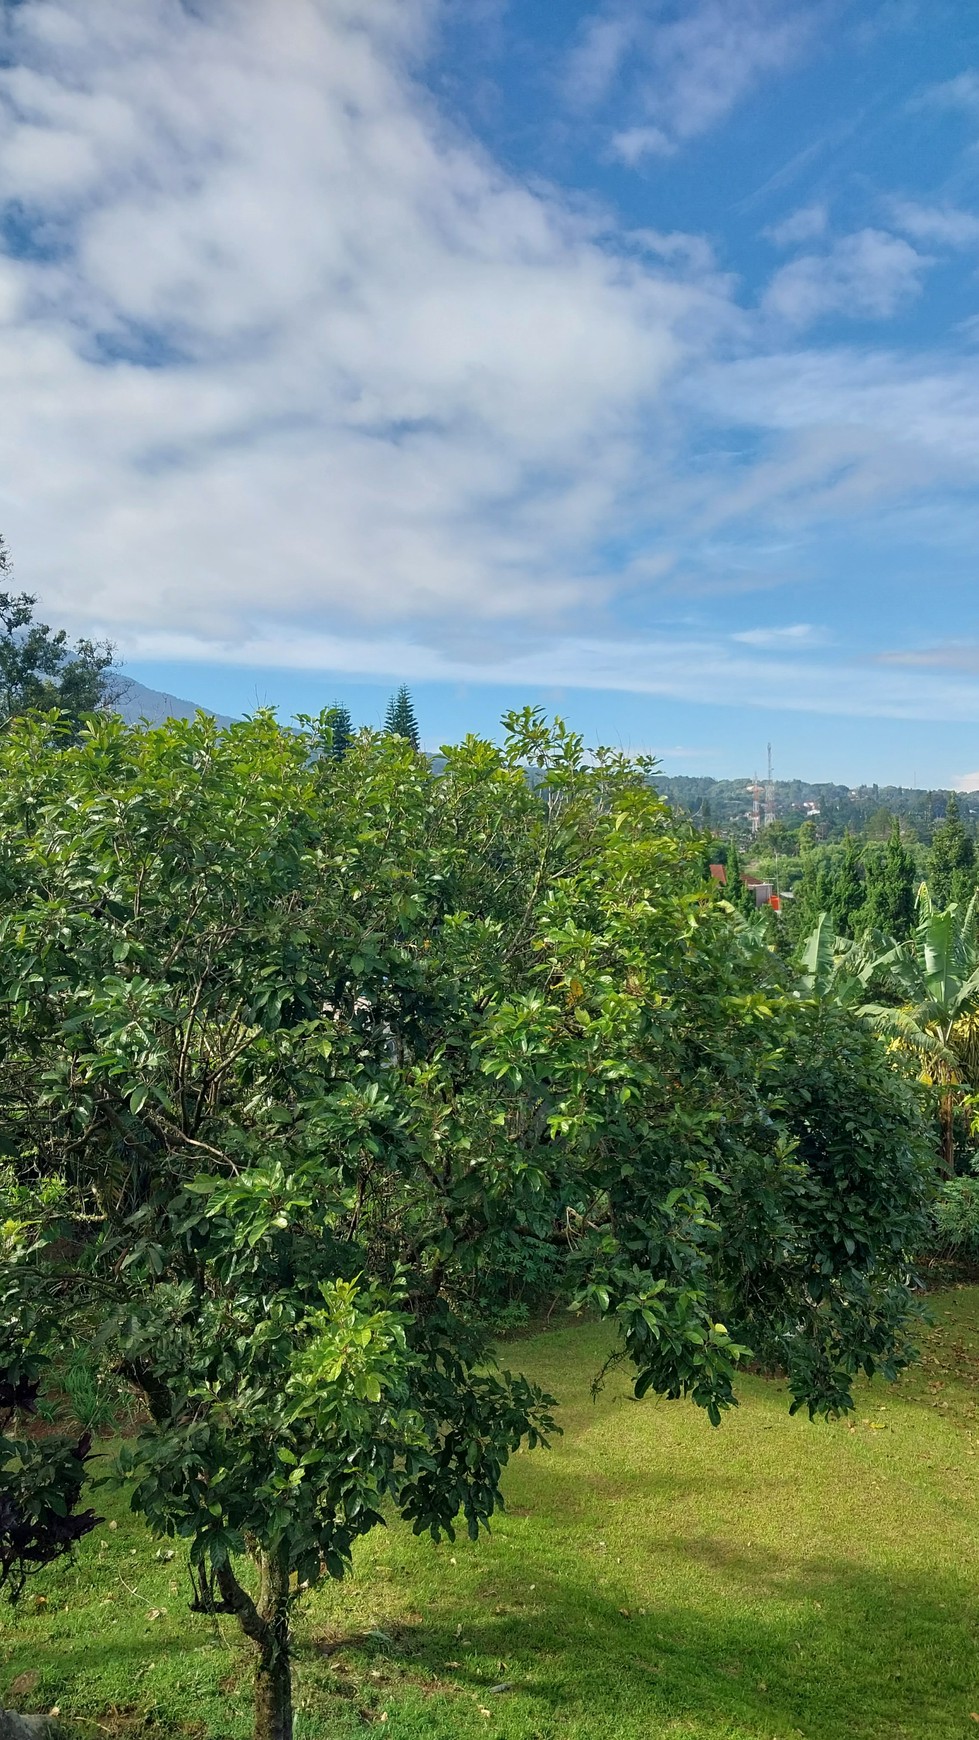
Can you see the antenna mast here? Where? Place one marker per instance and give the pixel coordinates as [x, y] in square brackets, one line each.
[769, 792]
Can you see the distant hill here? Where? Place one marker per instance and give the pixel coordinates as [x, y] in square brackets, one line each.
[725, 804]
[136, 702]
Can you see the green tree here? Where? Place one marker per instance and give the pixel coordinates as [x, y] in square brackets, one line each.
[935, 974]
[814, 892]
[891, 883]
[847, 892]
[951, 861]
[340, 725]
[807, 837]
[399, 718]
[739, 895]
[40, 671]
[289, 1043]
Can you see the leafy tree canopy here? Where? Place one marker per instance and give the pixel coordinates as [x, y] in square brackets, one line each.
[291, 1046]
[40, 671]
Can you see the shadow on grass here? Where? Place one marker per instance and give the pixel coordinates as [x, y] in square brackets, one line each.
[778, 1646]
[820, 1649]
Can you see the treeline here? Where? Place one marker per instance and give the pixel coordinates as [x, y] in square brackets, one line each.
[724, 805]
[863, 884]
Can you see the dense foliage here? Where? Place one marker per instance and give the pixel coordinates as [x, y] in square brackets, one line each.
[39, 669]
[298, 1052]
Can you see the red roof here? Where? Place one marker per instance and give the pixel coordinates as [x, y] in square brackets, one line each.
[719, 873]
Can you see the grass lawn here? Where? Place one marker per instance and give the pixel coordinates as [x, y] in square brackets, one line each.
[651, 1577]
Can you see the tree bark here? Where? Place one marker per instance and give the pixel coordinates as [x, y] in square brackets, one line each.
[266, 1622]
[947, 1119]
[273, 1673]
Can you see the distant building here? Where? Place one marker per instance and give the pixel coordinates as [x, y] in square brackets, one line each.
[719, 873]
[762, 891]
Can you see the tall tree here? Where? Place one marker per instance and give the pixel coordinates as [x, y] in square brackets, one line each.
[338, 723]
[739, 895]
[952, 859]
[847, 893]
[295, 1041]
[399, 719]
[891, 884]
[39, 670]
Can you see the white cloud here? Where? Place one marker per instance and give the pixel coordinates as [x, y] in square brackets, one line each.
[295, 375]
[867, 275]
[944, 225]
[682, 667]
[292, 347]
[962, 92]
[679, 77]
[796, 634]
[966, 782]
[635, 143]
[806, 224]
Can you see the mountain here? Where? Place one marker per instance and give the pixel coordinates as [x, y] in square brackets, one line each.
[135, 702]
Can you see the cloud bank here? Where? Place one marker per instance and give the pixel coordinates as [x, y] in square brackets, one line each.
[295, 373]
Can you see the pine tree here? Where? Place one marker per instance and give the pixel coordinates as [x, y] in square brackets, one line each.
[952, 859]
[739, 895]
[848, 892]
[813, 893]
[340, 723]
[891, 881]
[399, 720]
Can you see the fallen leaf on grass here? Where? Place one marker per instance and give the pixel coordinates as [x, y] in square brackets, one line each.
[24, 1684]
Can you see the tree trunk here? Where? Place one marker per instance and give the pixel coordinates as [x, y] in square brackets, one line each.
[273, 1694]
[266, 1623]
[947, 1118]
[273, 1671]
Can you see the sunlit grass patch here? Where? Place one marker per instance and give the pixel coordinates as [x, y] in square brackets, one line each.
[652, 1576]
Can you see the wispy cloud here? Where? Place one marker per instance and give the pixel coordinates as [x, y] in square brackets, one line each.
[807, 224]
[961, 92]
[941, 225]
[868, 275]
[954, 656]
[796, 634]
[677, 77]
[682, 667]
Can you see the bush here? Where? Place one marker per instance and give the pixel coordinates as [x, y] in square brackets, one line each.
[955, 1217]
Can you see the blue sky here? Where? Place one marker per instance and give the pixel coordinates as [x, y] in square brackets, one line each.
[622, 357]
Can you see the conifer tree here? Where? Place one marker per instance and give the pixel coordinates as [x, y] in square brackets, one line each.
[891, 880]
[813, 893]
[952, 859]
[737, 893]
[848, 893]
[341, 725]
[400, 720]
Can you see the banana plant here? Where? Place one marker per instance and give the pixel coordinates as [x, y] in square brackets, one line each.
[834, 968]
[935, 976]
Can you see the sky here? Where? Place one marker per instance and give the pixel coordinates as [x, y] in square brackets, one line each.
[618, 356]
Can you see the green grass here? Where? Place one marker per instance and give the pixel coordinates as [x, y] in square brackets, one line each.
[651, 1577]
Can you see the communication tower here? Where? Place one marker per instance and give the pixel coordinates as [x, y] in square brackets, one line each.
[769, 792]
